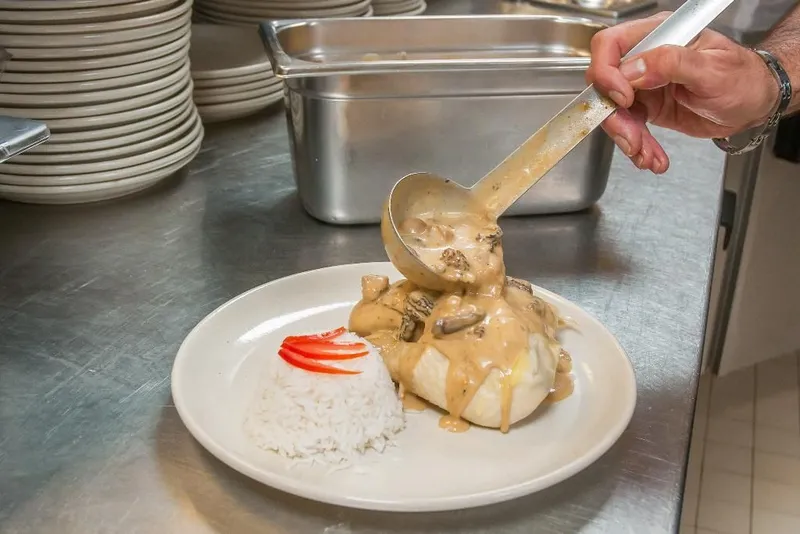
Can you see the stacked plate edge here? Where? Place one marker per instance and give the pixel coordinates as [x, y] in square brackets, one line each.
[232, 74]
[398, 8]
[252, 12]
[112, 81]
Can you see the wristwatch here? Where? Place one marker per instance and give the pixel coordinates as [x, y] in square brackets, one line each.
[785, 93]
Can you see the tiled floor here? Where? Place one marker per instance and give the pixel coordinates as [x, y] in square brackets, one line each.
[744, 463]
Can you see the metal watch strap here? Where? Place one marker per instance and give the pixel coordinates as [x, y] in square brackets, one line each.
[785, 94]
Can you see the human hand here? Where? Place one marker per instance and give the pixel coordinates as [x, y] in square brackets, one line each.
[712, 88]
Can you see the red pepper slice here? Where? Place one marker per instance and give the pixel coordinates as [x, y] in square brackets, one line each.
[326, 346]
[331, 334]
[327, 351]
[297, 360]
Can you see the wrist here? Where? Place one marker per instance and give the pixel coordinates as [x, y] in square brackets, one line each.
[789, 61]
[769, 93]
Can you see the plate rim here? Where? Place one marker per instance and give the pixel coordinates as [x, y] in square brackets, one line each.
[451, 503]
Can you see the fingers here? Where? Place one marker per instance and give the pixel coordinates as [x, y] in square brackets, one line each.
[607, 49]
[629, 131]
[665, 65]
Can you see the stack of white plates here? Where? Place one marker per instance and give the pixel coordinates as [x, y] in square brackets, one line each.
[398, 8]
[252, 12]
[231, 72]
[111, 79]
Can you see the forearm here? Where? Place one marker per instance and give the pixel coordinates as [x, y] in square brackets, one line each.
[784, 43]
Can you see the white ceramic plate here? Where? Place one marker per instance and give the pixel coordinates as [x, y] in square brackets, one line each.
[393, 12]
[128, 117]
[104, 171]
[125, 94]
[78, 194]
[266, 76]
[28, 5]
[258, 12]
[88, 13]
[237, 110]
[136, 143]
[94, 110]
[235, 96]
[216, 13]
[68, 70]
[204, 92]
[101, 50]
[223, 52]
[63, 144]
[177, 17]
[281, 4]
[65, 88]
[124, 22]
[120, 135]
[218, 368]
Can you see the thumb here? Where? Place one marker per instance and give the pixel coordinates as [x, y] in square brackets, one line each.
[665, 65]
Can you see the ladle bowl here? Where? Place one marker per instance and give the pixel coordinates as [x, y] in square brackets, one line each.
[415, 194]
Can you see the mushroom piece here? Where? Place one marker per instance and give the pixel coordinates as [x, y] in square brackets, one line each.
[492, 237]
[454, 323]
[373, 286]
[408, 328]
[418, 305]
[416, 308]
[522, 285]
[455, 258]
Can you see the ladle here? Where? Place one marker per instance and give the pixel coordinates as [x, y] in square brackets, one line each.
[425, 193]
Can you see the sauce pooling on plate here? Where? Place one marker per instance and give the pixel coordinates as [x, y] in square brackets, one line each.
[485, 325]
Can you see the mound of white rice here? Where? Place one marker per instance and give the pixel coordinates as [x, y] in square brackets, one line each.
[324, 418]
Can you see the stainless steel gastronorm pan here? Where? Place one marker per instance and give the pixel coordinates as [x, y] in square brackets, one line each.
[369, 100]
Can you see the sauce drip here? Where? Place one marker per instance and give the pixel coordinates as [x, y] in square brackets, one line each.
[484, 327]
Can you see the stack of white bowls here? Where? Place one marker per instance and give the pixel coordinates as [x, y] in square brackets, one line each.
[232, 74]
[252, 12]
[111, 79]
[398, 8]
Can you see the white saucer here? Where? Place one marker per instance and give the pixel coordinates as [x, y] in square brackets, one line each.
[116, 136]
[225, 52]
[90, 12]
[68, 70]
[430, 469]
[108, 101]
[105, 171]
[175, 130]
[78, 194]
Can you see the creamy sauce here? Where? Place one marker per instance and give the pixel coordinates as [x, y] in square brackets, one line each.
[484, 326]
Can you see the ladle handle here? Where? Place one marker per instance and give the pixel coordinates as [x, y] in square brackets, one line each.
[499, 189]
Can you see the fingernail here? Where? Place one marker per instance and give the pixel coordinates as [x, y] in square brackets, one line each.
[633, 70]
[618, 98]
[623, 144]
[638, 160]
[661, 166]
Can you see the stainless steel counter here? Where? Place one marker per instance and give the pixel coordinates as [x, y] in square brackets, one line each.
[95, 300]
